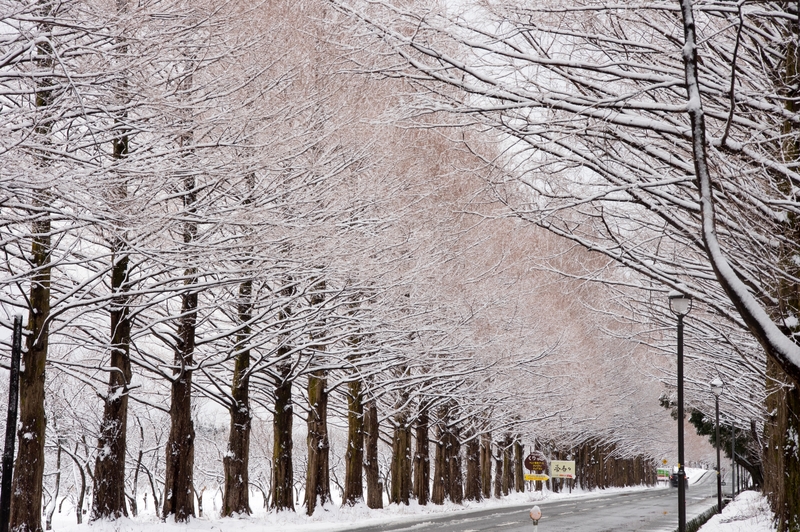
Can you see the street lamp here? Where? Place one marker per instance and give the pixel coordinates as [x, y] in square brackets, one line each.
[680, 304]
[716, 387]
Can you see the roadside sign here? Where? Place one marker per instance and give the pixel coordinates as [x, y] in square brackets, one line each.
[536, 461]
[664, 461]
[662, 474]
[538, 478]
[562, 468]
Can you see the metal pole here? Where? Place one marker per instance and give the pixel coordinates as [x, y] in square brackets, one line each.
[733, 460]
[11, 425]
[681, 470]
[738, 478]
[719, 475]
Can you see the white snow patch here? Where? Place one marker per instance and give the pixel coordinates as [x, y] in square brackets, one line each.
[104, 453]
[694, 474]
[749, 512]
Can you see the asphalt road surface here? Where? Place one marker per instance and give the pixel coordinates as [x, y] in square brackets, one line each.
[653, 510]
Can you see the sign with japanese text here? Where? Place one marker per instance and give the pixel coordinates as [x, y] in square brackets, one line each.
[536, 461]
[562, 468]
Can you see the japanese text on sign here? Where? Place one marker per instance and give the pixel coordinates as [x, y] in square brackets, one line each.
[562, 468]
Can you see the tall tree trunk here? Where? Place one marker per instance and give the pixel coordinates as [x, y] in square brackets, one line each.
[600, 468]
[447, 477]
[401, 460]
[422, 459]
[472, 491]
[781, 448]
[455, 489]
[486, 465]
[371, 436]
[236, 493]
[282, 472]
[179, 464]
[26, 486]
[508, 465]
[781, 429]
[283, 416]
[441, 471]
[498, 472]
[318, 485]
[354, 456]
[519, 478]
[318, 489]
[109, 468]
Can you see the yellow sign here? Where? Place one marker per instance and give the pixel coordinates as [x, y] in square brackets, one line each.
[540, 478]
[562, 468]
[664, 461]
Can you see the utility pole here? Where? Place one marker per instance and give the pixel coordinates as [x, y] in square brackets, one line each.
[733, 460]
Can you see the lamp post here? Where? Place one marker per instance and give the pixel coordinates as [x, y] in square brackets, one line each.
[680, 304]
[716, 388]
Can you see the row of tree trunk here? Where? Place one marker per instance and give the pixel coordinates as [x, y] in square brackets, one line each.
[410, 465]
[599, 465]
[462, 463]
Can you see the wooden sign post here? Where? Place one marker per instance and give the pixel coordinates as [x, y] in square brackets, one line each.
[536, 462]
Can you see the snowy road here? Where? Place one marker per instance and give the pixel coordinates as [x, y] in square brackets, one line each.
[654, 510]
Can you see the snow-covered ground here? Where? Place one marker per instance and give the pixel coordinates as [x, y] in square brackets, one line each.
[331, 518]
[749, 512]
[695, 474]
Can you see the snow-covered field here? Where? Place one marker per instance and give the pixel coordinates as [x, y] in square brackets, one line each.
[749, 512]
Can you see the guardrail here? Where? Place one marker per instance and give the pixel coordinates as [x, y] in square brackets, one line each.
[695, 524]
